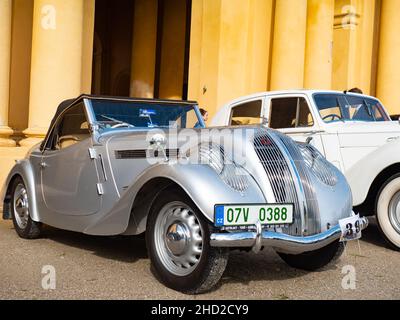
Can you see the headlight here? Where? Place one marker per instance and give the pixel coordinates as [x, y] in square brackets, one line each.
[318, 165]
[232, 174]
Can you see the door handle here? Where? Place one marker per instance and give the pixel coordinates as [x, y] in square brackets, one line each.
[390, 139]
[43, 164]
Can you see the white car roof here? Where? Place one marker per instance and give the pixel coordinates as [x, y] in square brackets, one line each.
[221, 115]
[297, 91]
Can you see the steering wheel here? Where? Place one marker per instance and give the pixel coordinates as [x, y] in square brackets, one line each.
[333, 116]
[120, 125]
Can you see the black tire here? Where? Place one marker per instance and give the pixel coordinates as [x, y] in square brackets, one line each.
[32, 229]
[314, 260]
[212, 262]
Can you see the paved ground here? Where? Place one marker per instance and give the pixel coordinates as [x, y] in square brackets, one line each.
[118, 268]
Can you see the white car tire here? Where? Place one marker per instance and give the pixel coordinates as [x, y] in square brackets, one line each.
[388, 211]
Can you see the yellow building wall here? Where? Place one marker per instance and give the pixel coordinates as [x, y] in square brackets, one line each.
[229, 50]
[237, 47]
[388, 77]
[354, 45]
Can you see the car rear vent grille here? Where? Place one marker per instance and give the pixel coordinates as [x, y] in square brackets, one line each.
[143, 153]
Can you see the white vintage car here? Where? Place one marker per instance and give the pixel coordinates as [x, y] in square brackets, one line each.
[353, 131]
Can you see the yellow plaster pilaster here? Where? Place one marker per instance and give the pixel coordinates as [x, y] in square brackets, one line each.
[388, 79]
[5, 56]
[289, 42]
[319, 41]
[229, 50]
[57, 60]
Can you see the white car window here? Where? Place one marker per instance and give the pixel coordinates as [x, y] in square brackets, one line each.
[292, 112]
[246, 113]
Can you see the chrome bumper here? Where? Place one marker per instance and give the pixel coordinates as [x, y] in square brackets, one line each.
[279, 241]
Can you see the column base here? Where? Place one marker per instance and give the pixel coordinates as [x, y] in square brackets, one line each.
[34, 136]
[5, 140]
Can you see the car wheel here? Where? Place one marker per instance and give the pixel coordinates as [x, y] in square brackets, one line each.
[24, 225]
[388, 211]
[316, 259]
[177, 238]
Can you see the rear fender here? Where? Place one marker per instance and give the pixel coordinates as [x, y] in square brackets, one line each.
[23, 169]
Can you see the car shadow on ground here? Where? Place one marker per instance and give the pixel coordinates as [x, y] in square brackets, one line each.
[243, 267]
[373, 235]
[121, 248]
[266, 265]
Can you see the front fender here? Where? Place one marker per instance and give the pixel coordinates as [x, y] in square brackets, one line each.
[201, 183]
[22, 168]
[361, 175]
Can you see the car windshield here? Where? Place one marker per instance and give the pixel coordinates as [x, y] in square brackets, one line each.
[347, 107]
[112, 114]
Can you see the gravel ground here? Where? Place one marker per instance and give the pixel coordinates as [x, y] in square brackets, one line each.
[118, 268]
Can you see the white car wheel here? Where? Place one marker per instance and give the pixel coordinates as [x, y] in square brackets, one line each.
[388, 210]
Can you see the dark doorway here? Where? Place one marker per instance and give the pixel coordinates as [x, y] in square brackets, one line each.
[172, 50]
[114, 40]
[112, 47]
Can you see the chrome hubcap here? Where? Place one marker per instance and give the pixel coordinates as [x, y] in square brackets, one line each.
[21, 206]
[394, 212]
[178, 238]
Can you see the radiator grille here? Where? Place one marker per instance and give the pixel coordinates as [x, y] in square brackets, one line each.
[312, 215]
[280, 177]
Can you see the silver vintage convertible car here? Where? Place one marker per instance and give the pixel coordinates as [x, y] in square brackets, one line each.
[122, 166]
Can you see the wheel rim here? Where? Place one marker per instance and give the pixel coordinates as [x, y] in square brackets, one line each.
[394, 211]
[178, 238]
[21, 206]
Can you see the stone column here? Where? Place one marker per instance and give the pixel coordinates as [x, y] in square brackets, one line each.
[388, 80]
[5, 54]
[289, 44]
[318, 59]
[56, 67]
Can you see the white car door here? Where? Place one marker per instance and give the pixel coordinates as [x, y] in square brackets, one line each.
[292, 115]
